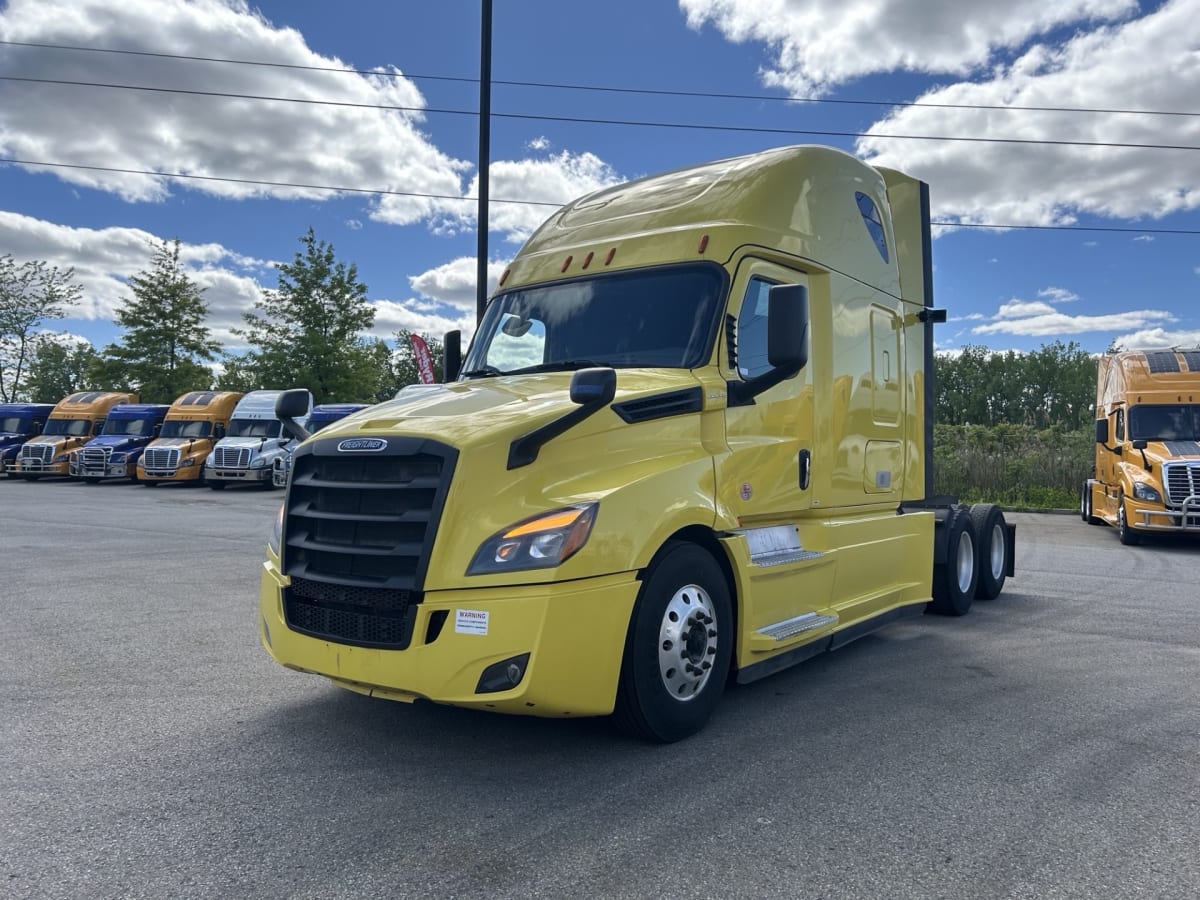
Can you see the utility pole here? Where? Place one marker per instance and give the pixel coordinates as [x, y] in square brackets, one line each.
[485, 129]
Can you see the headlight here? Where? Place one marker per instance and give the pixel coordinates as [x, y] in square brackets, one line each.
[1148, 492]
[277, 533]
[257, 463]
[63, 458]
[542, 542]
[190, 461]
[117, 458]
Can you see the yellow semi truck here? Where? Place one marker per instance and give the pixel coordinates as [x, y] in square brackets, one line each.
[194, 424]
[691, 440]
[75, 420]
[1147, 474]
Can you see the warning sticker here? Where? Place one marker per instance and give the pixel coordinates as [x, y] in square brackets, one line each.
[471, 621]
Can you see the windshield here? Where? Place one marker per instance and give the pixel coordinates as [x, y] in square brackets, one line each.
[14, 425]
[664, 318]
[75, 427]
[1165, 422]
[268, 428]
[180, 428]
[136, 427]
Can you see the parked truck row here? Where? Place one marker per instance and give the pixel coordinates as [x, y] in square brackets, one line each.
[207, 437]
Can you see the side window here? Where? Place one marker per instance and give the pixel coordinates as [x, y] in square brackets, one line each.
[1120, 427]
[752, 330]
[873, 221]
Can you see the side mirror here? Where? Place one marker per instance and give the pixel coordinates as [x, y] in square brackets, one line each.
[787, 342]
[292, 405]
[1102, 431]
[451, 356]
[97, 427]
[787, 332]
[1140, 445]
[594, 387]
[219, 430]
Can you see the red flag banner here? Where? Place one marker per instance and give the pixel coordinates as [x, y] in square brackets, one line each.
[424, 358]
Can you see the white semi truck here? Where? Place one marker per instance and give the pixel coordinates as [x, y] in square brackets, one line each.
[253, 441]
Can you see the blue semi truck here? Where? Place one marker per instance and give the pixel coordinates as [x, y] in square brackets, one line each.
[18, 423]
[115, 452]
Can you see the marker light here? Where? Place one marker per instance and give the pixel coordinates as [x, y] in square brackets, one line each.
[542, 542]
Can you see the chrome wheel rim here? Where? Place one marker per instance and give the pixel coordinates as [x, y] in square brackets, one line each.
[997, 551]
[687, 643]
[966, 562]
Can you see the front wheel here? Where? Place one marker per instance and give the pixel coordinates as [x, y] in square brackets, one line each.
[1128, 536]
[216, 485]
[678, 648]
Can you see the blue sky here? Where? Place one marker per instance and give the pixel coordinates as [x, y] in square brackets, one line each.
[927, 68]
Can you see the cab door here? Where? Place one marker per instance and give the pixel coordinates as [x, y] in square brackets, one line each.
[766, 479]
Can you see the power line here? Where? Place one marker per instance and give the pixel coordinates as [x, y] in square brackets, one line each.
[661, 92]
[585, 120]
[428, 196]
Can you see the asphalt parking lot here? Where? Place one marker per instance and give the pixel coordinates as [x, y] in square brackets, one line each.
[1046, 745]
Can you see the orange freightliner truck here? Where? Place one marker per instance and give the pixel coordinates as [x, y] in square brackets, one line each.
[1147, 475]
[194, 423]
[75, 420]
[691, 441]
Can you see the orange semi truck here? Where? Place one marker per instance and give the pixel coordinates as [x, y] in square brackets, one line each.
[1147, 476]
[74, 421]
[194, 423]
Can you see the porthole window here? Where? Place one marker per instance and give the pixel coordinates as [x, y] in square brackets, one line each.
[873, 221]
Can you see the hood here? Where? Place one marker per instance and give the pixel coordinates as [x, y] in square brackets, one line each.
[60, 442]
[118, 443]
[253, 443]
[477, 412]
[1159, 452]
[8, 438]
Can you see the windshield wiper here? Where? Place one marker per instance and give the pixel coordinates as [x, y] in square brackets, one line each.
[562, 365]
[485, 372]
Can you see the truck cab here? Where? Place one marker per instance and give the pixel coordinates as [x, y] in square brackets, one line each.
[18, 423]
[253, 441]
[1147, 473]
[322, 415]
[691, 441]
[75, 420]
[128, 429]
[193, 424]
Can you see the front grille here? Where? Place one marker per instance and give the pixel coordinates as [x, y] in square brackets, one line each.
[38, 453]
[357, 537]
[376, 617]
[1182, 481]
[232, 458]
[160, 459]
[94, 458]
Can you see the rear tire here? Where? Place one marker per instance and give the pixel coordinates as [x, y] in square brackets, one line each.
[955, 579]
[678, 647]
[217, 485]
[1085, 506]
[991, 542]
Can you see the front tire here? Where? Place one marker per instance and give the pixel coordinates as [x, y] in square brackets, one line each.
[678, 648]
[954, 580]
[1128, 536]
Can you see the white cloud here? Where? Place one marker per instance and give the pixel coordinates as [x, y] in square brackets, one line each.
[1144, 64]
[1058, 295]
[454, 282]
[1055, 323]
[1144, 238]
[547, 183]
[104, 259]
[411, 315]
[285, 142]
[819, 44]
[1021, 309]
[1158, 339]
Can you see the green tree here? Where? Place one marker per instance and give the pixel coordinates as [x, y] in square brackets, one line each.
[161, 353]
[30, 293]
[59, 368]
[308, 332]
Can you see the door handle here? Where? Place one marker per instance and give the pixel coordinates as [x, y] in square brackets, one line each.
[805, 469]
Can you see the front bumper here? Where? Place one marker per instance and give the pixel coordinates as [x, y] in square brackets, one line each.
[110, 470]
[243, 475]
[573, 632]
[37, 467]
[1185, 519]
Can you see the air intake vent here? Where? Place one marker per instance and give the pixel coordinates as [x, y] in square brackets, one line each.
[661, 406]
